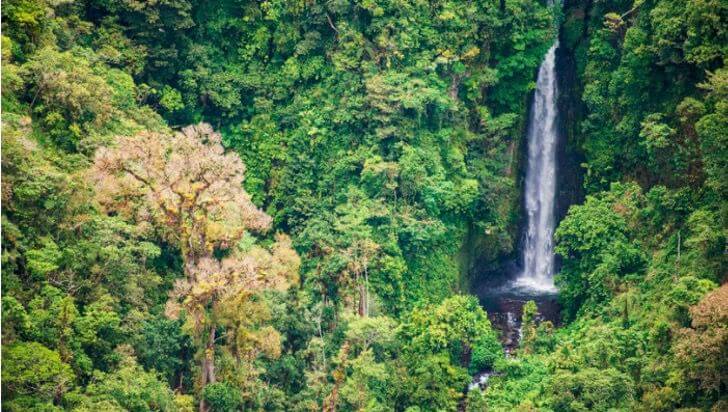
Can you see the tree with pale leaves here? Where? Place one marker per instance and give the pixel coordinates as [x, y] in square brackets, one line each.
[187, 189]
[183, 185]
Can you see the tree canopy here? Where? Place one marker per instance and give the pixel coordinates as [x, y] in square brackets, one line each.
[282, 205]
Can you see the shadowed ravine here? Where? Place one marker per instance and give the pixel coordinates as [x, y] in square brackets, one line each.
[503, 297]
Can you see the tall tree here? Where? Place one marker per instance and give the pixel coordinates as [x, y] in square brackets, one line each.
[186, 188]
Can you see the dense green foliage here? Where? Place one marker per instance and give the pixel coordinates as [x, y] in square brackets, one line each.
[649, 241]
[141, 272]
[379, 135]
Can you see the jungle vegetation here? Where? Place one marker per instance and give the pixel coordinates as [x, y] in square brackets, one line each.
[225, 205]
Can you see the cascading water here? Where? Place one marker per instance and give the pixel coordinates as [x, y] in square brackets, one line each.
[540, 190]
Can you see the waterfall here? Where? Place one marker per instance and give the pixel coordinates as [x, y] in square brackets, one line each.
[536, 280]
[540, 190]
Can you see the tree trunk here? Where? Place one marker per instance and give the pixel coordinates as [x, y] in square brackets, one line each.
[362, 300]
[208, 366]
[466, 356]
[366, 291]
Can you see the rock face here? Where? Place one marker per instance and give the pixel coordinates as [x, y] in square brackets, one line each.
[573, 41]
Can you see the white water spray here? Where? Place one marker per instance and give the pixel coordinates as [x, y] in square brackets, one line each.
[540, 190]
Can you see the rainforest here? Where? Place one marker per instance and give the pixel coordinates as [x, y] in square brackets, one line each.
[364, 205]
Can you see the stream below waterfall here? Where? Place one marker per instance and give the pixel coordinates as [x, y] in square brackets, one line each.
[504, 305]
